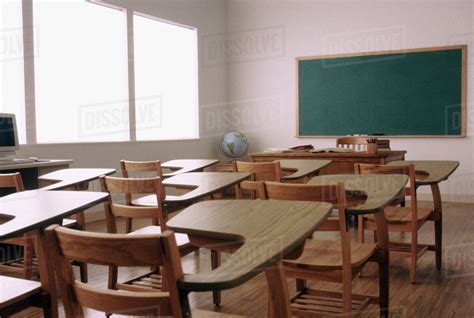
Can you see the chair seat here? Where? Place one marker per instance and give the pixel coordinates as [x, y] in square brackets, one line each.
[181, 239]
[15, 290]
[398, 214]
[327, 255]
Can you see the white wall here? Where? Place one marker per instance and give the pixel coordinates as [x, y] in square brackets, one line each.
[209, 17]
[316, 27]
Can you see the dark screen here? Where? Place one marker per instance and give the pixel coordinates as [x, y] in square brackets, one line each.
[7, 132]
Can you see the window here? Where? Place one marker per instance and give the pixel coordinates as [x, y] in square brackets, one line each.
[12, 94]
[166, 83]
[80, 72]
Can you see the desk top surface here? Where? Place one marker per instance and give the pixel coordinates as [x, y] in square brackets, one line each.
[66, 178]
[269, 230]
[37, 164]
[431, 171]
[24, 211]
[200, 184]
[380, 190]
[302, 168]
[187, 165]
[324, 155]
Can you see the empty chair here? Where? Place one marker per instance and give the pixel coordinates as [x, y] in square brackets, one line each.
[112, 210]
[334, 261]
[403, 219]
[127, 166]
[157, 250]
[154, 250]
[260, 171]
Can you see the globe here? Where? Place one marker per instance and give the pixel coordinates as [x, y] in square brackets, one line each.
[234, 144]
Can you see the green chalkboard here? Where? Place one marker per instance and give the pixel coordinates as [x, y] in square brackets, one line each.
[419, 93]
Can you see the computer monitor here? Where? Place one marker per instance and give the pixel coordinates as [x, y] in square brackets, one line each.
[8, 135]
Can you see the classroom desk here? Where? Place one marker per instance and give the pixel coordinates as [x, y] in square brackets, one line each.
[200, 184]
[77, 178]
[301, 169]
[341, 163]
[432, 173]
[376, 192]
[263, 232]
[368, 193]
[187, 165]
[31, 212]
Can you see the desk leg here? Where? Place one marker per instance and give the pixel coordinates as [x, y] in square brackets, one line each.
[383, 263]
[47, 278]
[183, 297]
[438, 221]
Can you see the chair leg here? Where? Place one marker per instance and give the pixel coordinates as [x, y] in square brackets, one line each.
[360, 229]
[215, 262]
[28, 253]
[83, 272]
[414, 256]
[384, 286]
[438, 224]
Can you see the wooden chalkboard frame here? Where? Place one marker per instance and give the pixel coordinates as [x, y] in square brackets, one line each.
[463, 49]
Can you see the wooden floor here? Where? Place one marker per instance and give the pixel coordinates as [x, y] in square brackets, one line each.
[447, 293]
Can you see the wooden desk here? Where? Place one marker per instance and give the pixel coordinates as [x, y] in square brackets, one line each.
[377, 191]
[187, 165]
[200, 184]
[301, 169]
[266, 231]
[31, 171]
[340, 162]
[31, 212]
[77, 178]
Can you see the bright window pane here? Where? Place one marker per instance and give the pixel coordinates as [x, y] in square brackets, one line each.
[166, 85]
[12, 93]
[81, 72]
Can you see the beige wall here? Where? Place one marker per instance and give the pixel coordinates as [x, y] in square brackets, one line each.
[317, 27]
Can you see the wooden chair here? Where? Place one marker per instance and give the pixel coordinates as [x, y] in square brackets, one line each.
[333, 261]
[27, 265]
[127, 166]
[154, 250]
[112, 210]
[401, 218]
[355, 143]
[261, 171]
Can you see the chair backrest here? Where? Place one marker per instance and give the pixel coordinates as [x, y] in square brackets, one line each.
[331, 193]
[12, 180]
[152, 166]
[355, 143]
[129, 186]
[408, 170]
[260, 171]
[115, 250]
